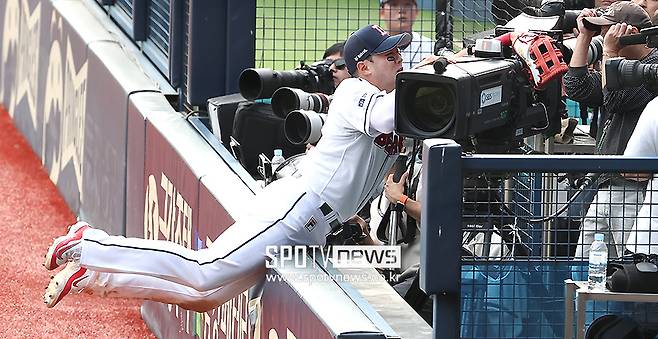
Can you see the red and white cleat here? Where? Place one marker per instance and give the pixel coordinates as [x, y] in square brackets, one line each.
[66, 247]
[72, 279]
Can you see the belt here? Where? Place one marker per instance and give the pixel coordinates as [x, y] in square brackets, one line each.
[328, 212]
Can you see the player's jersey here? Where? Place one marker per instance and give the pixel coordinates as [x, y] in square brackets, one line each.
[357, 148]
[419, 48]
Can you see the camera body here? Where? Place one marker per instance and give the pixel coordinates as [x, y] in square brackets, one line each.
[486, 103]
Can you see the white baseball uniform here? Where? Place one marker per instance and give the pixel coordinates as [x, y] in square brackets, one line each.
[338, 177]
[419, 48]
[643, 237]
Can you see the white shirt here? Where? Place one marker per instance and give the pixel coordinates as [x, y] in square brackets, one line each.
[357, 148]
[644, 143]
[419, 48]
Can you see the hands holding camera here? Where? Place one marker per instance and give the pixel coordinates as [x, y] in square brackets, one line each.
[582, 29]
[394, 191]
[611, 44]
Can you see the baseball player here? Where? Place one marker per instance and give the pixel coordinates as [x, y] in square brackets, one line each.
[351, 160]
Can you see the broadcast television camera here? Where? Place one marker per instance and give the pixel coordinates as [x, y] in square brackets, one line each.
[486, 104]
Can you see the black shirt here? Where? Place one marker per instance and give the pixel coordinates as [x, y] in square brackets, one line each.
[622, 107]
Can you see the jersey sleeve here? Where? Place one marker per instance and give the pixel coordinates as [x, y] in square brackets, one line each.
[373, 113]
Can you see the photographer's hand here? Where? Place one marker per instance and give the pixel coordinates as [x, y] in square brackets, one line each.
[395, 190]
[611, 46]
[582, 29]
[583, 39]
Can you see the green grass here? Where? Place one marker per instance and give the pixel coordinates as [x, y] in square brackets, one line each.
[288, 31]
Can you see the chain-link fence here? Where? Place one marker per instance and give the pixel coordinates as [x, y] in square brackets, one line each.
[289, 31]
[525, 233]
[526, 226]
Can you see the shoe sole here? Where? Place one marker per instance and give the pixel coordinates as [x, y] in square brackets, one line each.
[60, 284]
[50, 259]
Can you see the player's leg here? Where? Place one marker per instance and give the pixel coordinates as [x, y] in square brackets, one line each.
[75, 279]
[284, 211]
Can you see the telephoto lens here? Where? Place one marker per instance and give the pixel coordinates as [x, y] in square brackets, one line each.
[621, 73]
[303, 126]
[286, 100]
[594, 51]
[259, 83]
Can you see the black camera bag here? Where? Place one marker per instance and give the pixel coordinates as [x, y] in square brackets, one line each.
[641, 277]
[614, 327]
[259, 130]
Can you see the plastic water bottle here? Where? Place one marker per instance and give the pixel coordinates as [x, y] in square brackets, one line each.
[598, 262]
[277, 159]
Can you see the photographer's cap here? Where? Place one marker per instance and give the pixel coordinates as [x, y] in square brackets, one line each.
[620, 12]
[371, 40]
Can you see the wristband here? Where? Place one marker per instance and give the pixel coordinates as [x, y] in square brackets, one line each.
[403, 199]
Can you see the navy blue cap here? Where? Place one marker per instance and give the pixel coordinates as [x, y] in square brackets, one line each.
[371, 40]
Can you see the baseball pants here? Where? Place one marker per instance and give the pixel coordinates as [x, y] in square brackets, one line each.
[282, 214]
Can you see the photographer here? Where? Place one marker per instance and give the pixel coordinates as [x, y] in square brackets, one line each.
[399, 17]
[616, 202]
[333, 55]
[651, 7]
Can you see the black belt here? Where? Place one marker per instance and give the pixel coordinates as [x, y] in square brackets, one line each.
[326, 211]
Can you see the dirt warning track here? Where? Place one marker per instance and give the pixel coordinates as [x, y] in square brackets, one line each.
[32, 213]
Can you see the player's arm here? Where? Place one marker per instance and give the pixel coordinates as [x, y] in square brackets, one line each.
[369, 112]
[381, 115]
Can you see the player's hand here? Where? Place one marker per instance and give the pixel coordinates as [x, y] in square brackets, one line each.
[394, 190]
[432, 59]
[585, 12]
[611, 44]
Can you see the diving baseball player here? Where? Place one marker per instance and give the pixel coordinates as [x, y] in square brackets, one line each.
[357, 149]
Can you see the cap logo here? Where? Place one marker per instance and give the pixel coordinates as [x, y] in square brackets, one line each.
[610, 11]
[380, 30]
[358, 56]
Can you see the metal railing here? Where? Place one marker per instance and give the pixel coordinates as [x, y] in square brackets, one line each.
[505, 231]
